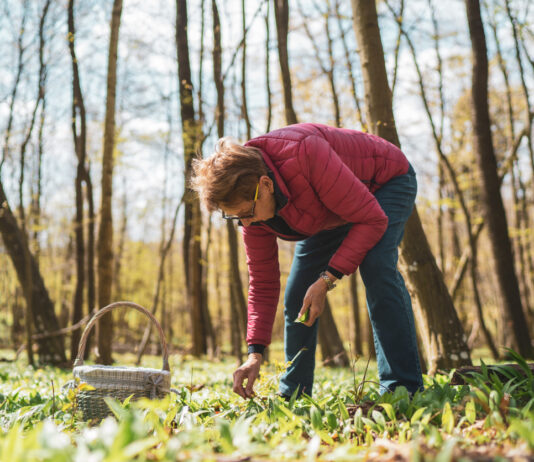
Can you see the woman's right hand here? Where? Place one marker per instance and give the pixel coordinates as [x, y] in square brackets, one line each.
[249, 370]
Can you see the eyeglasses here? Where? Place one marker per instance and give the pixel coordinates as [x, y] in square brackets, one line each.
[247, 215]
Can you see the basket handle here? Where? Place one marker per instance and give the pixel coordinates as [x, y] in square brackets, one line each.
[106, 309]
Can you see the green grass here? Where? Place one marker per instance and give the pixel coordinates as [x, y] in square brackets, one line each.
[489, 418]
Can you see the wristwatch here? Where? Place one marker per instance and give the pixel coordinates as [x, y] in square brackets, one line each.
[329, 283]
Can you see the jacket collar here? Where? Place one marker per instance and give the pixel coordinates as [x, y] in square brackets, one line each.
[278, 180]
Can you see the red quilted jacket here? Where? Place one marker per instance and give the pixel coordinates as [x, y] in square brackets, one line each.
[328, 176]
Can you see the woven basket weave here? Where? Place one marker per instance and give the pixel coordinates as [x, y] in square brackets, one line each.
[118, 382]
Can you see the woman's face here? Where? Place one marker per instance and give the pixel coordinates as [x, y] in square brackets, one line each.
[261, 209]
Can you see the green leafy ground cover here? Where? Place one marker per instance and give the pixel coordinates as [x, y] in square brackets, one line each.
[489, 419]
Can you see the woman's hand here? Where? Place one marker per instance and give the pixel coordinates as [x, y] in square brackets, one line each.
[250, 370]
[314, 300]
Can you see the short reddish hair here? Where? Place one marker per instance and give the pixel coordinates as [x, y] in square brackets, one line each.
[229, 176]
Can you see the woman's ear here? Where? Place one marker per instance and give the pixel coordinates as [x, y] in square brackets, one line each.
[266, 181]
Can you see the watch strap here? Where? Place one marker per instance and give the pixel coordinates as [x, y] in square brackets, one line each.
[329, 283]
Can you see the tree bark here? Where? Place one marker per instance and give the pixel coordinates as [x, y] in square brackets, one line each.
[239, 305]
[494, 207]
[445, 342]
[332, 349]
[355, 305]
[244, 106]
[105, 231]
[51, 350]
[281, 11]
[79, 132]
[268, 70]
[192, 250]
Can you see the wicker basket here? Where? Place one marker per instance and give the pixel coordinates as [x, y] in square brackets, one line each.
[116, 381]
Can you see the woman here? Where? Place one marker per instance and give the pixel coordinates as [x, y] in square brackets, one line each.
[345, 196]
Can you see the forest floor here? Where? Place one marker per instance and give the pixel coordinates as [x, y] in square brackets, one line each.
[488, 419]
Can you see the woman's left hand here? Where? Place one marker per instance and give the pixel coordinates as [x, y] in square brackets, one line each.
[314, 300]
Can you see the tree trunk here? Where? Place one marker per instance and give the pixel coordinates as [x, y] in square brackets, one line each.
[332, 349]
[51, 349]
[281, 11]
[244, 106]
[235, 277]
[494, 208]
[268, 70]
[192, 252]
[445, 342]
[105, 231]
[78, 125]
[355, 305]
[239, 305]
[91, 277]
[35, 211]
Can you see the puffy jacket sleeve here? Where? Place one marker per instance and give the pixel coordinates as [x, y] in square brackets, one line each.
[338, 188]
[264, 283]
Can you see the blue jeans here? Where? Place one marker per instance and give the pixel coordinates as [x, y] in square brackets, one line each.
[388, 300]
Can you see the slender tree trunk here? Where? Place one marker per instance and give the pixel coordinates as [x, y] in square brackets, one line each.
[355, 305]
[35, 214]
[244, 106]
[268, 69]
[441, 239]
[191, 137]
[239, 305]
[117, 285]
[78, 125]
[235, 277]
[218, 263]
[332, 349]
[105, 231]
[235, 328]
[281, 11]
[445, 342]
[495, 214]
[91, 276]
[211, 341]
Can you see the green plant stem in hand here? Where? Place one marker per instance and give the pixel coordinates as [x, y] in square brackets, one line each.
[304, 317]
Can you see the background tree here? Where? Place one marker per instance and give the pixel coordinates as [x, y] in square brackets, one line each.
[192, 250]
[281, 12]
[79, 133]
[445, 342]
[495, 215]
[105, 231]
